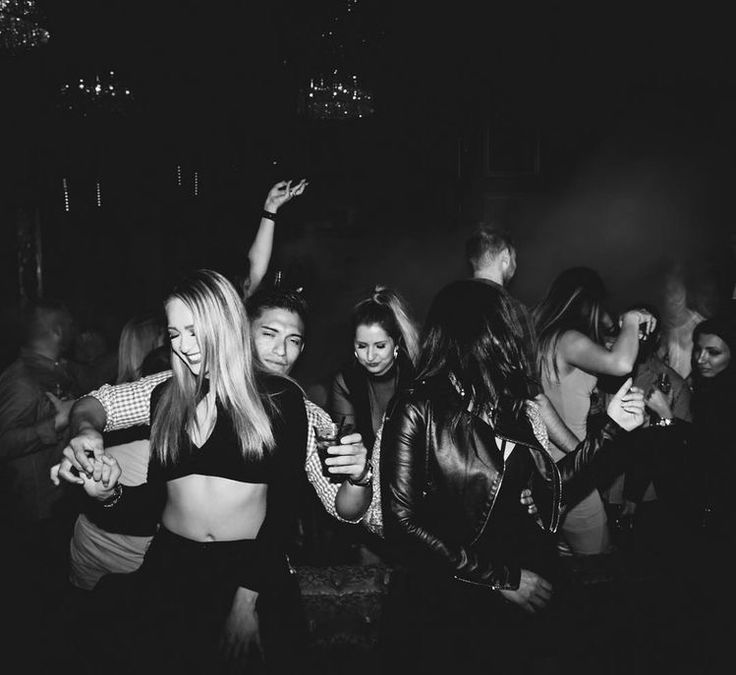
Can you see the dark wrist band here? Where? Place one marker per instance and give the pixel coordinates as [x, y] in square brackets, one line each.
[268, 215]
[365, 478]
[115, 497]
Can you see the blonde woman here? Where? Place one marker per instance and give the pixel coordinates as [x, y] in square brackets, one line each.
[227, 459]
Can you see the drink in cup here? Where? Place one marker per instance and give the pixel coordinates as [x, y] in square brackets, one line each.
[328, 435]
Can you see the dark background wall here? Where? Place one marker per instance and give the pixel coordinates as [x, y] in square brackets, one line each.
[596, 136]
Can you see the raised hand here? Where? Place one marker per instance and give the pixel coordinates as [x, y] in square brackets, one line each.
[627, 406]
[282, 192]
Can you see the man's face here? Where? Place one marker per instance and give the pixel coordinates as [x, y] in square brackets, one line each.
[278, 338]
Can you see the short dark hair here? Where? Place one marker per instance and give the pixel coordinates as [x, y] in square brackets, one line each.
[40, 317]
[277, 298]
[488, 240]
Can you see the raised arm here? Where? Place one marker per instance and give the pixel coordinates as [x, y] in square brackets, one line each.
[580, 351]
[259, 255]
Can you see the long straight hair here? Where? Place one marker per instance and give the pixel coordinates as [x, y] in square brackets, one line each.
[223, 333]
[140, 336]
[386, 308]
[574, 302]
[471, 333]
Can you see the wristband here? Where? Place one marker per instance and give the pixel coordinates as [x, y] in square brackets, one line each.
[365, 478]
[268, 215]
[115, 497]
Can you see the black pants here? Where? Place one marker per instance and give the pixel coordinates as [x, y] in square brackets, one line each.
[168, 616]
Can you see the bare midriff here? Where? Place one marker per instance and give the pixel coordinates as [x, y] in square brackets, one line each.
[210, 508]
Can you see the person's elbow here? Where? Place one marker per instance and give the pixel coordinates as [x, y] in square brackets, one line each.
[621, 365]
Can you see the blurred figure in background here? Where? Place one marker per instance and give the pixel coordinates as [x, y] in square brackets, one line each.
[95, 551]
[678, 321]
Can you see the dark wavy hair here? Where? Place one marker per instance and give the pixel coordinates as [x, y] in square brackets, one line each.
[471, 332]
[575, 301]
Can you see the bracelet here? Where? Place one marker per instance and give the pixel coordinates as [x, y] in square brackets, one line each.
[115, 497]
[664, 422]
[268, 215]
[365, 478]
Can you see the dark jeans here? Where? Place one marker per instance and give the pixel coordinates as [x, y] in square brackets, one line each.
[168, 616]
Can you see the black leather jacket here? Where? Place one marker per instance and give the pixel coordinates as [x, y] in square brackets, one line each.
[439, 488]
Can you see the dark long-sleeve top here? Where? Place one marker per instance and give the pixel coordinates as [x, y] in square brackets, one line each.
[282, 469]
[29, 443]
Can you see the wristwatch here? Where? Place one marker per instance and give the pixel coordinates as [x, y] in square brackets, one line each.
[365, 478]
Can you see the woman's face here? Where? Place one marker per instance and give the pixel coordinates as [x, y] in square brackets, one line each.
[711, 355]
[182, 334]
[374, 348]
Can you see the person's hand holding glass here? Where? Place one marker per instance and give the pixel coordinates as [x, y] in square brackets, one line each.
[341, 451]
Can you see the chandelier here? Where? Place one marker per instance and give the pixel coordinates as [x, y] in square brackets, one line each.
[20, 27]
[338, 97]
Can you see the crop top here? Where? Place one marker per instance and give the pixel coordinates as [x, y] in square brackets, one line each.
[282, 469]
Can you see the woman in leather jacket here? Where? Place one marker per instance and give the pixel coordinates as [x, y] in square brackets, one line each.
[456, 451]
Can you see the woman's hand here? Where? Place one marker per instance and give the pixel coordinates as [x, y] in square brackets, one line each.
[528, 501]
[282, 192]
[658, 403]
[79, 455]
[627, 406]
[240, 642]
[646, 322]
[533, 593]
[349, 458]
[105, 476]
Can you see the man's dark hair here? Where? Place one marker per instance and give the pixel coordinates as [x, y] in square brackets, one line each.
[277, 298]
[488, 240]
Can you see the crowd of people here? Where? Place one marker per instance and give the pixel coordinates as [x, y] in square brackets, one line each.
[481, 450]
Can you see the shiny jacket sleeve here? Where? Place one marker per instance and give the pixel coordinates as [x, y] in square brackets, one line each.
[404, 483]
[599, 457]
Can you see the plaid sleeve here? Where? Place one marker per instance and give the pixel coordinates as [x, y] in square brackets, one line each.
[326, 491]
[129, 404]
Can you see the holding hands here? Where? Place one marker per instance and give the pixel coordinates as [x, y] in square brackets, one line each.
[85, 463]
[283, 192]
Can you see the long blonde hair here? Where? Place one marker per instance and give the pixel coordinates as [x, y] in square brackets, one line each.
[223, 333]
[140, 336]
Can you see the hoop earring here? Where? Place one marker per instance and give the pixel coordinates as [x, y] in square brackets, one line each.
[396, 351]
